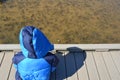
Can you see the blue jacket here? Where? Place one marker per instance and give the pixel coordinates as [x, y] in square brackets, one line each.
[34, 62]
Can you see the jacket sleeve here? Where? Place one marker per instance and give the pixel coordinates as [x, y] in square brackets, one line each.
[17, 58]
[17, 76]
[52, 60]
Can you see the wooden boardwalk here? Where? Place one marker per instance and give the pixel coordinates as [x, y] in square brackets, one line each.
[86, 65]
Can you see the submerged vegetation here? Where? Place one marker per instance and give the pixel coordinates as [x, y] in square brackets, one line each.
[62, 21]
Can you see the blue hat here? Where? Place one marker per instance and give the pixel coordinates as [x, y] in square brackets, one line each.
[33, 43]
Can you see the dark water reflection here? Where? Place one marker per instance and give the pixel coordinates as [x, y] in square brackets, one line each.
[63, 21]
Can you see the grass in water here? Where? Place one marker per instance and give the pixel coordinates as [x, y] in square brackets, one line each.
[62, 21]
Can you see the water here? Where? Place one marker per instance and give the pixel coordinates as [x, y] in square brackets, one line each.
[63, 21]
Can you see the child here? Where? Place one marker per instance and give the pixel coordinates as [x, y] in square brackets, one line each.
[34, 62]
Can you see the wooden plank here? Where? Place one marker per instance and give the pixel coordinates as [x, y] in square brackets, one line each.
[91, 67]
[9, 47]
[12, 73]
[61, 68]
[66, 46]
[6, 66]
[81, 67]
[1, 57]
[70, 66]
[87, 46]
[114, 73]
[101, 66]
[116, 58]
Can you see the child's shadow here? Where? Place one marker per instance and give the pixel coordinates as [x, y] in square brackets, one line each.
[69, 63]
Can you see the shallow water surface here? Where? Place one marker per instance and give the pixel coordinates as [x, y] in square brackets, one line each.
[63, 21]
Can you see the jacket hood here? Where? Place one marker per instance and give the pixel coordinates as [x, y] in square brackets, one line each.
[33, 43]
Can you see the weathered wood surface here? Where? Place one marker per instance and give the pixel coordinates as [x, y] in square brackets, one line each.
[96, 47]
[89, 65]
